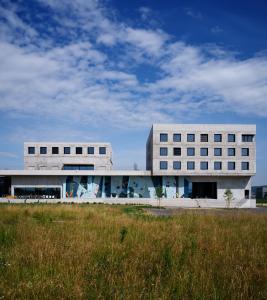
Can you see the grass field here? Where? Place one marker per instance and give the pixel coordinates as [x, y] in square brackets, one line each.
[121, 252]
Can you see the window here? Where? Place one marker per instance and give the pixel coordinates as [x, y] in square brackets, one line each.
[54, 150]
[163, 165]
[91, 150]
[43, 150]
[190, 137]
[217, 151]
[217, 165]
[204, 165]
[204, 151]
[79, 150]
[78, 167]
[177, 165]
[163, 151]
[247, 138]
[190, 165]
[217, 138]
[177, 137]
[190, 151]
[231, 138]
[66, 150]
[204, 138]
[231, 165]
[102, 150]
[177, 151]
[245, 152]
[163, 137]
[246, 194]
[31, 150]
[231, 151]
[245, 165]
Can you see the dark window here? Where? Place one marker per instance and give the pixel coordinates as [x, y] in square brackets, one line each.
[204, 165]
[204, 151]
[163, 165]
[190, 137]
[177, 137]
[163, 151]
[231, 165]
[78, 167]
[217, 165]
[31, 150]
[90, 150]
[43, 150]
[177, 151]
[245, 151]
[246, 194]
[247, 137]
[164, 137]
[217, 151]
[245, 165]
[79, 150]
[217, 138]
[102, 150]
[177, 165]
[204, 138]
[231, 151]
[190, 165]
[190, 151]
[54, 150]
[66, 150]
[231, 138]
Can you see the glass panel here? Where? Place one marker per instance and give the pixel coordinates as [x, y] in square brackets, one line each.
[164, 137]
[177, 137]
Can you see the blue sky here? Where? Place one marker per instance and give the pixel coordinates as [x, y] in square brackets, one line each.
[82, 70]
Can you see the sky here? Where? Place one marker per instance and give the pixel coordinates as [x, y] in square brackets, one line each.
[104, 71]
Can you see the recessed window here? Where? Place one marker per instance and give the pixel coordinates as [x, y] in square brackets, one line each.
[217, 165]
[66, 150]
[177, 165]
[91, 150]
[247, 138]
[177, 137]
[43, 150]
[177, 151]
[102, 150]
[163, 165]
[190, 137]
[204, 138]
[190, 151]
[217, 138]
[55, 150]
[245, 165]
[79, 150]
[204, 151]
[190, 165]
[245, 152]
[217, 151]
[231, 151]
[204, 165]
[163, 151]
[231, 165]
[231, 138]
[31, 150]
[163, 137]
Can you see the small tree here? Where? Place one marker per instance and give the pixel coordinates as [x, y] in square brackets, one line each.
[159, 193]
[228, 196]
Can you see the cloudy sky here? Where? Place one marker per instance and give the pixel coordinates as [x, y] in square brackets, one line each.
[87, 70]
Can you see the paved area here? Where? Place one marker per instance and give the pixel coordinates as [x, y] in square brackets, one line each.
[169, 211]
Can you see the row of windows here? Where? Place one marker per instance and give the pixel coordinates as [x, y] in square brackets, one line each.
[217, 137]
[163, 151]
[204, 165]
[67, 150]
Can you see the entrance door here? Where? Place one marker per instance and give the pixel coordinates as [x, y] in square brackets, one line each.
[204, 190]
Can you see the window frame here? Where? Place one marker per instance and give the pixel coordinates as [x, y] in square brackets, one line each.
[163, 162]
[101, 148]
[179, 151]
[80, 149]
[217, 162]
[214, 152]
[190, 135]
[41, 150]
[216, 135]
[31, 152]
[206, 164]
[188, 163]
[204, 136]
[179, 164]
[88, 151]
[190, 148]
[163, 153]
[204, 148]
[231, 135]
[177, 134]
[228, 164]
[161, 135]
[65, 150]
[53, 149]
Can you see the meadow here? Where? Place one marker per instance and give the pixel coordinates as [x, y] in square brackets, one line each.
[123, 252]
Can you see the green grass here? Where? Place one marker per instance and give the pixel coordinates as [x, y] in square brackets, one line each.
[121, 252]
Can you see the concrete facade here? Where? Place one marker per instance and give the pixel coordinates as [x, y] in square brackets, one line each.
[154, 157]
[50, 161]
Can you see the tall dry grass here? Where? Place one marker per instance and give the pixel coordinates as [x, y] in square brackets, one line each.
[117, 252]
